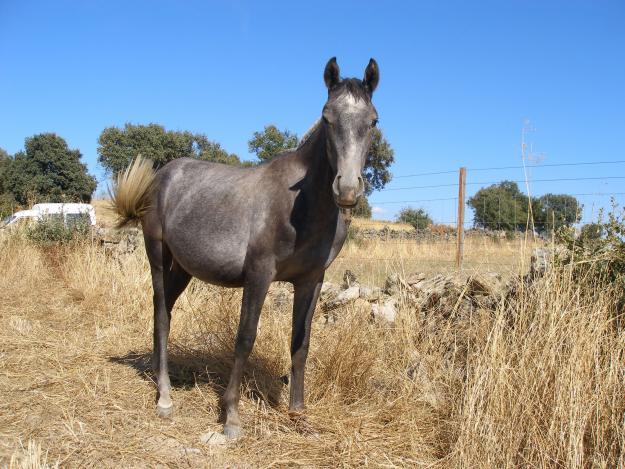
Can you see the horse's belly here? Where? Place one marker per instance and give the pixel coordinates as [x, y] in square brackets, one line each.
[216, 263]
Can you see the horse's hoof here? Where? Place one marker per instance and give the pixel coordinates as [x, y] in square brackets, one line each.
[233, 432]
[301, 423]
[165, 412]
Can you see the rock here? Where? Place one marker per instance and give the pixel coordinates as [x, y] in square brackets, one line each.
[214, 438]
[385, 312]
[395, 285]
[369, 293]
[349, 279]
[331, 317]
[485, 284]
[415, 278]
[117, 242]
[343, 297]
[440, 292]
[329, 291]
[192, 451]
[431, 287]
[541, 259]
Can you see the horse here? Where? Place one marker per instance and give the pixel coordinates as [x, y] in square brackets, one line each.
[249, 226]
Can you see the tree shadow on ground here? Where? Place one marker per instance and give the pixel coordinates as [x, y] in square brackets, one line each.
[188, 368]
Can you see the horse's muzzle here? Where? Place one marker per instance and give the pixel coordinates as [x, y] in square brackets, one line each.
[347, 190]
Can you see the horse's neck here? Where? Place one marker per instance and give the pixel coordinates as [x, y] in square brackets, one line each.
[315, 214]
[319, 174]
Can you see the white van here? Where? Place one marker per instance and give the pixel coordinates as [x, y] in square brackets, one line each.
[71, 213]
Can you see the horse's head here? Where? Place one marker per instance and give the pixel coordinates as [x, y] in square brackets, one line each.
[349, 117]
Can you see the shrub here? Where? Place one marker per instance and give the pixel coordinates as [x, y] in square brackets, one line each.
[418, 218]
[591, 233]
[599, 251]
[53, 230]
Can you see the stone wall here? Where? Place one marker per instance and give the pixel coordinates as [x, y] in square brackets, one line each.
[435, 233]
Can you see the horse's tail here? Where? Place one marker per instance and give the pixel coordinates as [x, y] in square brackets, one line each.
[130, 195]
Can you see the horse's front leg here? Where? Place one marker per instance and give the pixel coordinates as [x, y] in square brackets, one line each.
[304, 302]
[254, 293]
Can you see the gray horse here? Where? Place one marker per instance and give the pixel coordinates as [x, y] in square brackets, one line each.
[247, 227]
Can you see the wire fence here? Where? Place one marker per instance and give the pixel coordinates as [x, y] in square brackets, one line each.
[444, 207]
[600, 184]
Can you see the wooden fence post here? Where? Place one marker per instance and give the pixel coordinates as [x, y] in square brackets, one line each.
[462, 180]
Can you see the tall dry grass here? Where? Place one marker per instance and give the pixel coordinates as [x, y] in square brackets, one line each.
[536, 381]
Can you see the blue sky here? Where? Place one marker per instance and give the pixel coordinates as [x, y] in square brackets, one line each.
[458, 80]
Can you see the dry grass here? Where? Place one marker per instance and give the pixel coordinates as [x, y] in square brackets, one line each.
[104, 212]
[373, 260]
[534, 383]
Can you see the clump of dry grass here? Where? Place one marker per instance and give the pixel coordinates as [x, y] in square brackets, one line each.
[31, 456]
[545, 385]
[535, 381]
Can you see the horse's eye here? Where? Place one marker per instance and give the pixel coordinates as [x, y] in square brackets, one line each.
[374, 122]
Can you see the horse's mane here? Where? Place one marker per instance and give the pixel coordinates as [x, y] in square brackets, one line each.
[308, 133]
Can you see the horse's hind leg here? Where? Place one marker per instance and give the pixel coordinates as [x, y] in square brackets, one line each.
[168, 281]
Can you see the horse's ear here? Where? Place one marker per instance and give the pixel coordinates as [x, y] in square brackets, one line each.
[331, 73]
[372, 76]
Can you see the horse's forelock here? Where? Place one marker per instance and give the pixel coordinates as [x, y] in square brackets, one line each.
[354, 87]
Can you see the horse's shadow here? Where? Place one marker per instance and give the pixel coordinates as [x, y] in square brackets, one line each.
[190, 368]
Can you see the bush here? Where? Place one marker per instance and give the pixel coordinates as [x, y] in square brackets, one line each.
[53, 230]
[591, 233]
[599, 251]
[418, 218]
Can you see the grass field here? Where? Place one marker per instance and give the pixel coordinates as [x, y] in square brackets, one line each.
[533, 383]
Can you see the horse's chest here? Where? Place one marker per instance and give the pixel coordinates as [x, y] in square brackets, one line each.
[311, 252]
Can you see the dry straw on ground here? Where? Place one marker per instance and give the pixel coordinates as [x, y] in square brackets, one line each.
[535, 382]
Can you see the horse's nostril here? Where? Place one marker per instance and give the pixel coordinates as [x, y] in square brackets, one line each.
[336, 188]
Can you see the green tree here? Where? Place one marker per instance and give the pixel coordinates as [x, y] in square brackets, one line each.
[418, 218]
[379, 158]
[5, 161]
[8, 205]
[500, 207]
[212, 151]
[271, 142]
[561, 209]
[48, 171]
[118, 147]
[7, 201]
